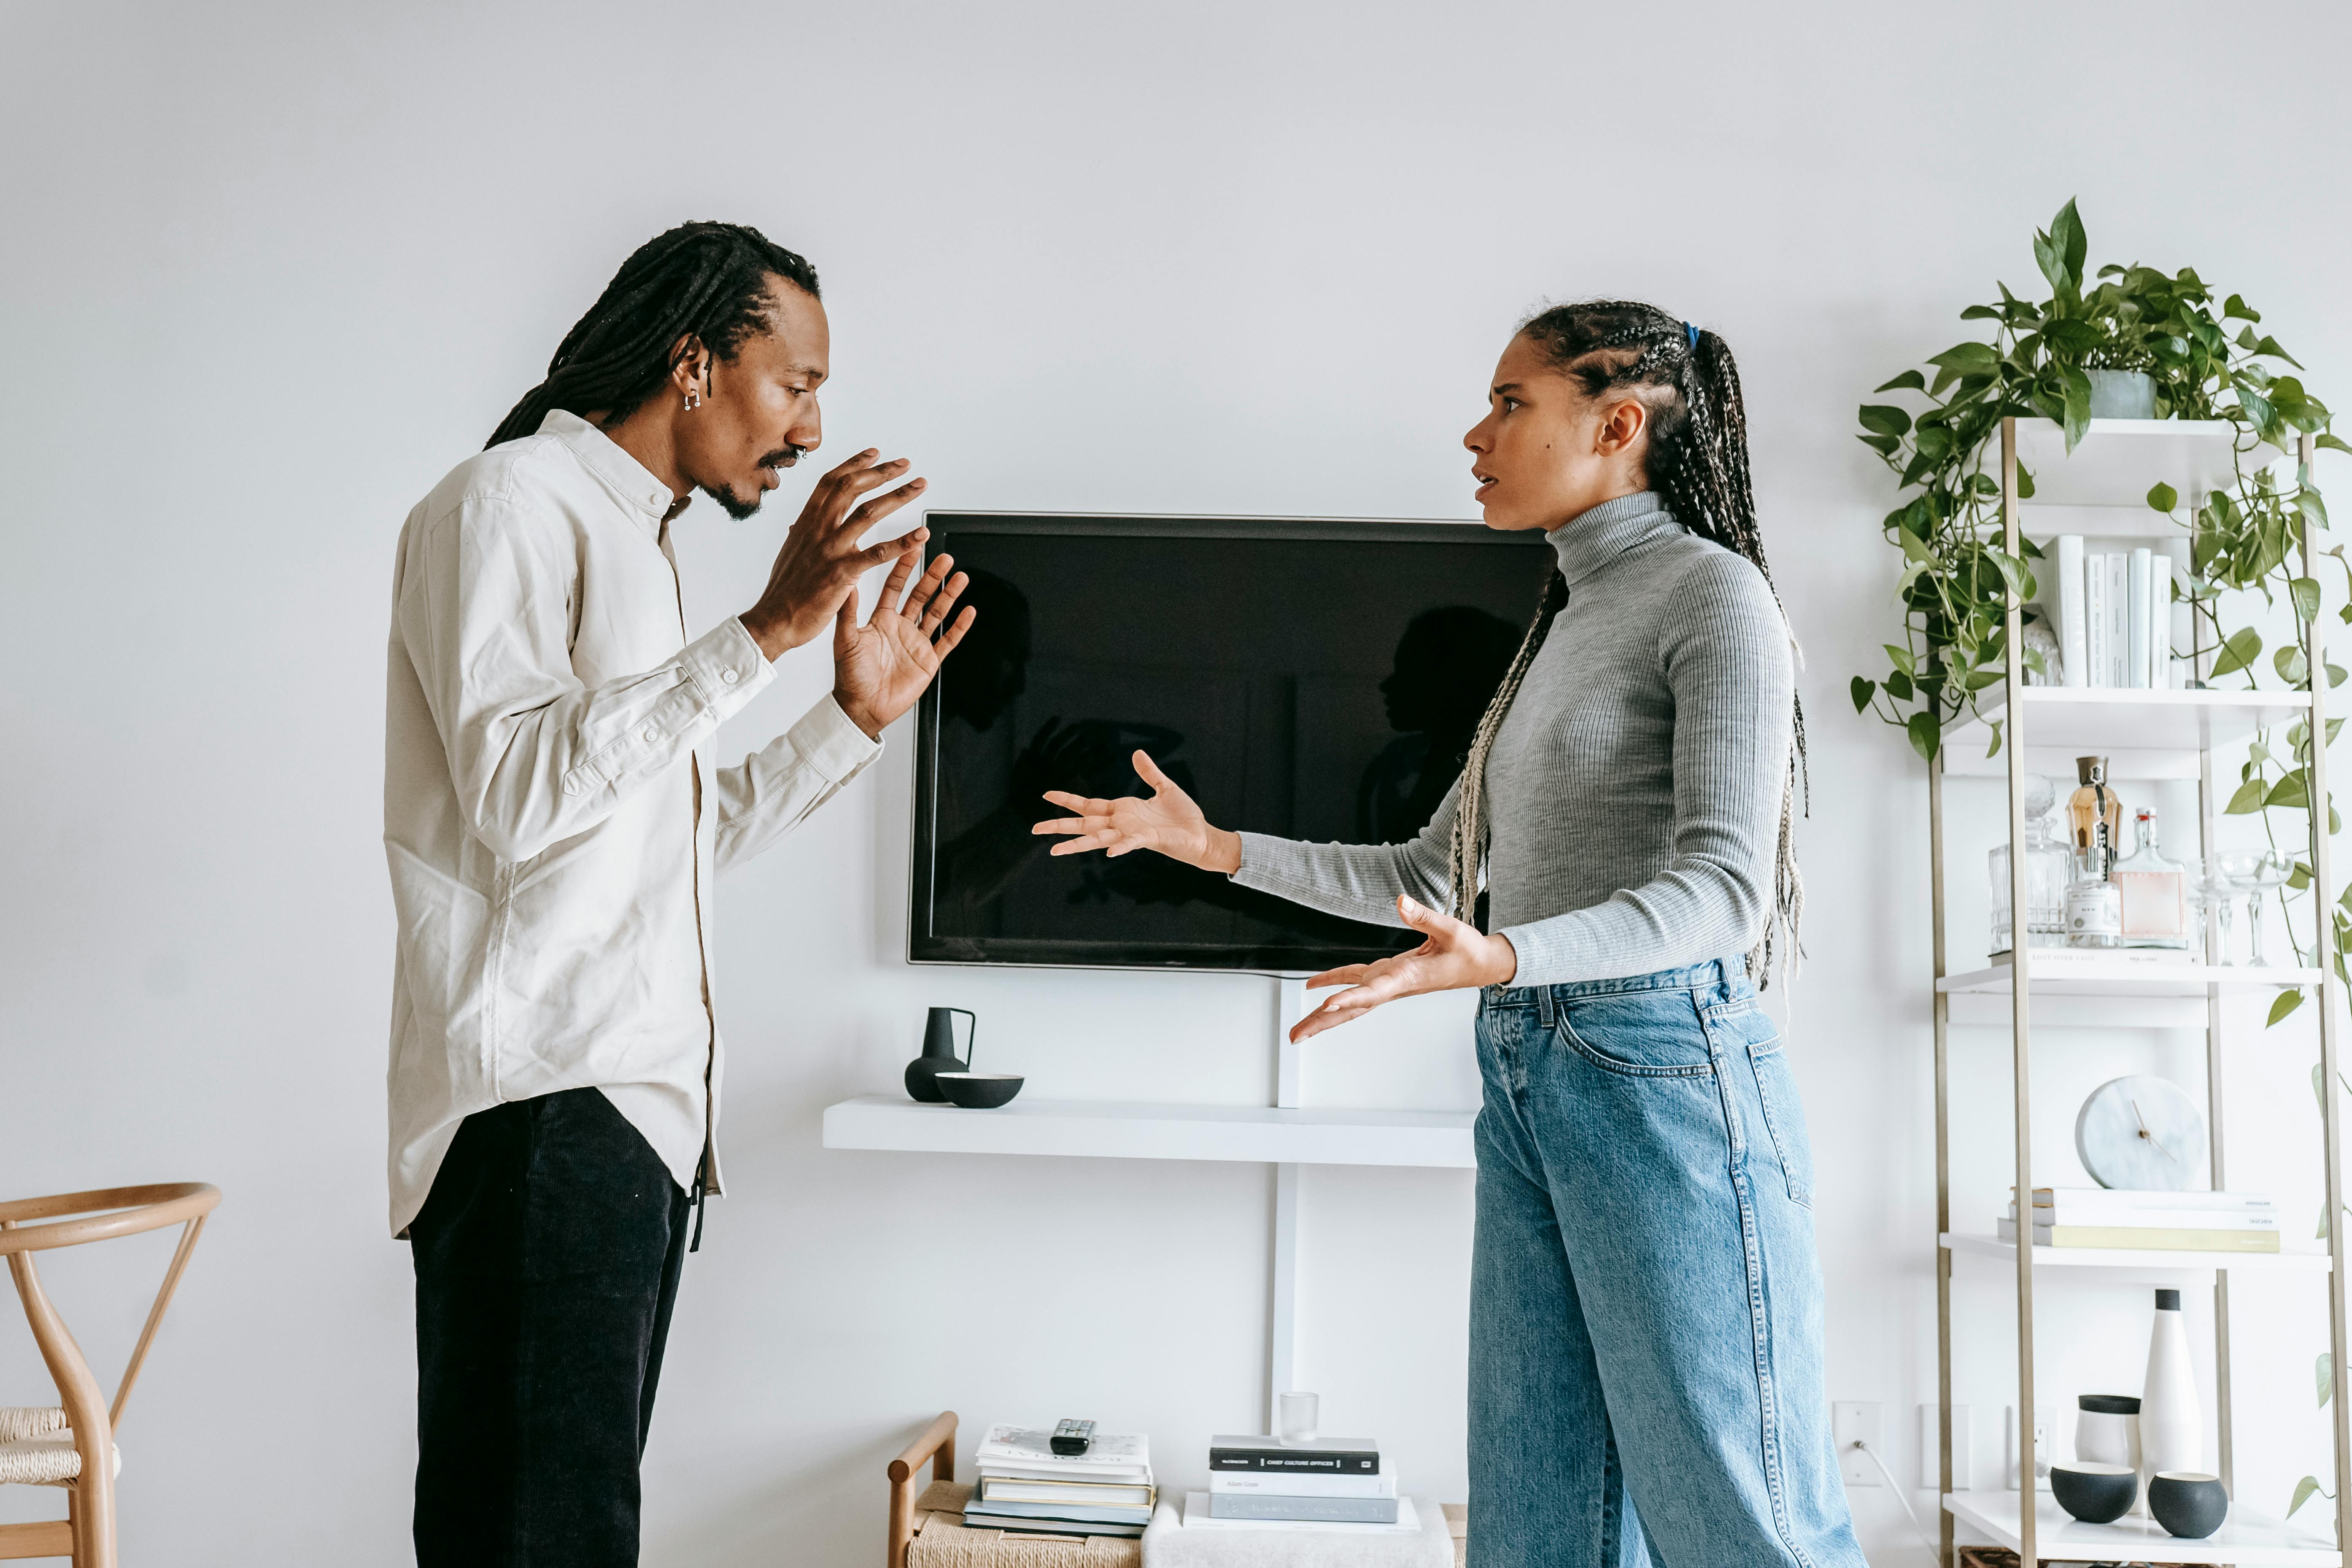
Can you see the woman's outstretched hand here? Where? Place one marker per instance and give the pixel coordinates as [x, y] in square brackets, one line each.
[1169, 822]
[1452, 956]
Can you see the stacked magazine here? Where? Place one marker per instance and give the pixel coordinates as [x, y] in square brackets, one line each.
[1024, 1486]
[2163, 1221]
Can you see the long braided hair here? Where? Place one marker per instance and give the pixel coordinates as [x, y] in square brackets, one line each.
[704, 281]
[1697, 463]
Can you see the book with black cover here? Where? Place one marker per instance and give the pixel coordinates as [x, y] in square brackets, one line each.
[1318, 1456]
[974, 1520]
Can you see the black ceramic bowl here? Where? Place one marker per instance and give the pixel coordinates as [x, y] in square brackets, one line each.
[2095, 1494]
[980, 1091]
[2189, 1504]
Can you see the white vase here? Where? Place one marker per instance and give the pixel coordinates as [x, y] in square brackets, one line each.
[2171, 1420]
[2107, 1430]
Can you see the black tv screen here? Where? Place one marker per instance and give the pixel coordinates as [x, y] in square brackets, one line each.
[1311, 679]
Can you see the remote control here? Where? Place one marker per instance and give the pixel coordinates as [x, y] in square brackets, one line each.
[1073, 1437]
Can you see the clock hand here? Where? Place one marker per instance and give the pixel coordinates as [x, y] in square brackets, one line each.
[2151, 1137]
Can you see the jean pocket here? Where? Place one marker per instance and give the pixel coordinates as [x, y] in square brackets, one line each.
[1640, 1034]
[1784, 1117]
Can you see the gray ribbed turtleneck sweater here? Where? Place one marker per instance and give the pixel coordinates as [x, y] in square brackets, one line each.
[1634, 789]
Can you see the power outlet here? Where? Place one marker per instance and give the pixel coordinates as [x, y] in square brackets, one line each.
[1963, 1450]
[2046, 1428]
[1855, 1421]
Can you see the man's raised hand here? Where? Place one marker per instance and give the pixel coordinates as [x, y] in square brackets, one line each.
[821, 562]
[880, 668]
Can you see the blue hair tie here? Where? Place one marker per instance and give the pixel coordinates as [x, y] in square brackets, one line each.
[1694, 334]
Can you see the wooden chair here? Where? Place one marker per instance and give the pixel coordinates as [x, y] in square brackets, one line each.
[937, 1445]
[71, 1445]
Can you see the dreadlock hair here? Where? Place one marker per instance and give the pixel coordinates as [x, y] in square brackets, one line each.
[1697, 463]
[702, 282]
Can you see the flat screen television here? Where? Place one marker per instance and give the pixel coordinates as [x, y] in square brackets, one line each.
[1313, 679]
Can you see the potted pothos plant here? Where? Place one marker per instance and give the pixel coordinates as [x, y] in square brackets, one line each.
[2207, 361]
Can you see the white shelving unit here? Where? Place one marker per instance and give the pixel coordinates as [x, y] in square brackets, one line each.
[2249, 1539]
[2099, 490]
[1282, 1135]
[1102, 1130]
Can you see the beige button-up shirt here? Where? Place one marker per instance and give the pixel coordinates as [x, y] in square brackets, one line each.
[550, 814]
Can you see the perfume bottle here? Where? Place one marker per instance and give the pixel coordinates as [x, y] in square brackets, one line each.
[2094, 906]
[2154, 890]
[2046, 875]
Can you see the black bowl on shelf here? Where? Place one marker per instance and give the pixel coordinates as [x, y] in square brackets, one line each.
[2189, 1503]
[2094, 1493]
[979, 1091]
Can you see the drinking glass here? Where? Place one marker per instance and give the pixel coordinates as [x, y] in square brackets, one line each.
[1299, 1416]
[2259, 875]
[2216, 895]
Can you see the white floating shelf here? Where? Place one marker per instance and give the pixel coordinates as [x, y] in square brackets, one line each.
[1106, 1130]
[2118, 459]
[2071, 721]
[2065, 972]
[2249, 1538]
[2139, 1260]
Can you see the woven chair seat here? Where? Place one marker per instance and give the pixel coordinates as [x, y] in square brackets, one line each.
[37, 1447]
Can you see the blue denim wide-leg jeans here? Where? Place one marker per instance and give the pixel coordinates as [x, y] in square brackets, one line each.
[1645, 1306]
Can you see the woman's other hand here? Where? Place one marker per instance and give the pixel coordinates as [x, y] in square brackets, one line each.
[1169, 822]
[1453, 955]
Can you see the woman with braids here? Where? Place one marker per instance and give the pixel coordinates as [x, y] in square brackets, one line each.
[1645, 1335]
[554, 823]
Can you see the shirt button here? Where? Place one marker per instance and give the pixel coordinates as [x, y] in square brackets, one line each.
[727, 675]
[651, 733]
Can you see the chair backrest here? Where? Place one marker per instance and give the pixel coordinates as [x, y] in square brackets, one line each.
[105, 1215]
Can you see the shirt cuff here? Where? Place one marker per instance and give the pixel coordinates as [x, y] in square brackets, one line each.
[829, 740]
[727, 668]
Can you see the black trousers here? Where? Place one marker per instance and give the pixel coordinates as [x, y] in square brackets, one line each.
[547, 1262]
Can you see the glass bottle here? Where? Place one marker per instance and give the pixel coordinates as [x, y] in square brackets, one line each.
[2046, 870]
[2154, 891]
[2094, 911]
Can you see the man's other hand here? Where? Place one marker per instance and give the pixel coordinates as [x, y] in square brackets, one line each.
[880, 668]
[820, 563]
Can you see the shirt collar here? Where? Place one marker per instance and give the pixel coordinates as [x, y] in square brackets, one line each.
[1599, 535]
[598, 453]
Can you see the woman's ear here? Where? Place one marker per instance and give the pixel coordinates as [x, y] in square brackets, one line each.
[1622, 427]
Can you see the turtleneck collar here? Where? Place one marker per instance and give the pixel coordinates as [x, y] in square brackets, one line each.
[1599, 535]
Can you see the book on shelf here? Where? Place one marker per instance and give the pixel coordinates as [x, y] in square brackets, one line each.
[1319, 1455]
[1282, 1484]
[974, 1520]
[2106, 1200]
[2149, 1238]
[1071, 1512]
[2154, 1218]
[2114, 613]
[2074, 649]
[996, 1487]
[1197, 1516]
[1315, 1510]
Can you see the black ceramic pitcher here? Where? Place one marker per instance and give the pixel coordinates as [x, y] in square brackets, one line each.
[939, 1053]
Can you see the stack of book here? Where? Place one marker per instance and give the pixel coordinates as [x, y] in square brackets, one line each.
[1321, 1480]
[2114, 615]
[2163, 1221]
[1024, 1486]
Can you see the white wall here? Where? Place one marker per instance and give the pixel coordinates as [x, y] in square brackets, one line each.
[267, 271]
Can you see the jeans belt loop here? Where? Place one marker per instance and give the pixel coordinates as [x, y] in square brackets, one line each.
[1544, 1014]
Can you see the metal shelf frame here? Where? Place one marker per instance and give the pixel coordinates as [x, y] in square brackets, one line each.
[2025, 717]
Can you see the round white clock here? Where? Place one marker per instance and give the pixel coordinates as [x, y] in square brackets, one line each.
[2142, 1132]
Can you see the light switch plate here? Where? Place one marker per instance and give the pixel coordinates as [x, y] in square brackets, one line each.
[2046, 1428]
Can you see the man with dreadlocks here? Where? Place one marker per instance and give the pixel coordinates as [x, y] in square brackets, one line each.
[553, 822]
[1646, 1313]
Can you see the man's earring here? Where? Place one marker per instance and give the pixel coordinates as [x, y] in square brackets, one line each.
[693, 400]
